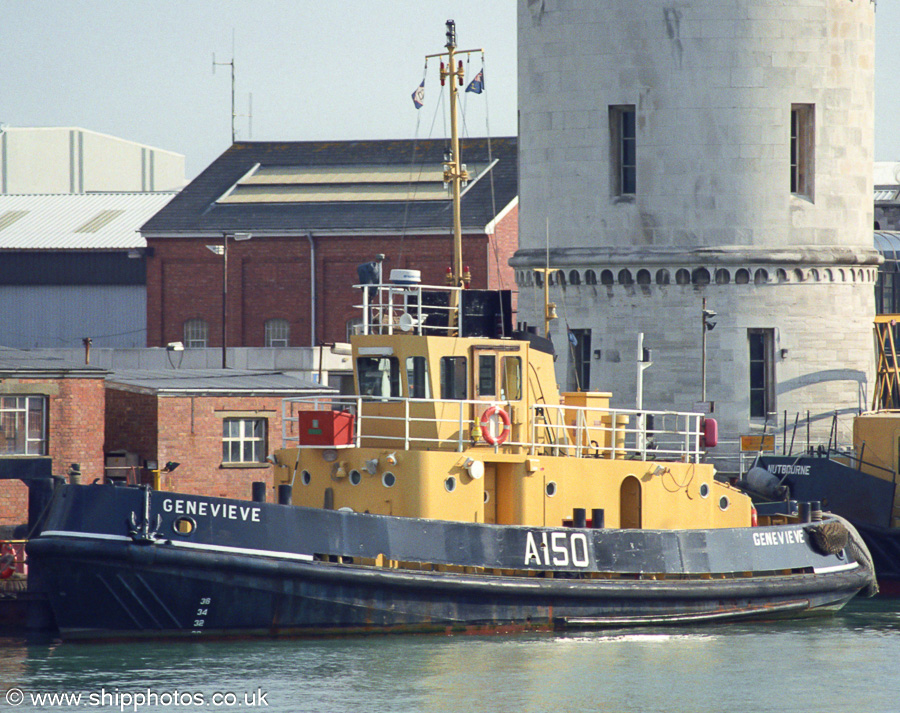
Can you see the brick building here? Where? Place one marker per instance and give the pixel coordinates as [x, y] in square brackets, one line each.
[48, 407]
[219, 426]
[275, 231]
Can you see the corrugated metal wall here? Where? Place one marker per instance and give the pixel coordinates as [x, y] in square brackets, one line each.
[60, 316]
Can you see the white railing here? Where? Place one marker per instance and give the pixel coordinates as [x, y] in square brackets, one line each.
[574, 431]
[389, 309]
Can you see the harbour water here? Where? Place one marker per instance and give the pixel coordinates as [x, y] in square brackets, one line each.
[846, 662]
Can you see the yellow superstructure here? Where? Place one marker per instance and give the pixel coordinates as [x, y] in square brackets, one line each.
[419, 446]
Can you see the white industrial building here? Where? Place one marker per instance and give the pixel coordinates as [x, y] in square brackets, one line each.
[716, 150]
[72, 262]
[74, 160]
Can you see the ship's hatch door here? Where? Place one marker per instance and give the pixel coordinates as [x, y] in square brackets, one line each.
[630, 503]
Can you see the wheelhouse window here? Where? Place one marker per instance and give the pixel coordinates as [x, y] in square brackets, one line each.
[623, 149]
[511, 379]
[23, 425]
[196, 333]
[487, 379]
[417, 379]
[762, 376]
[277, 333]
[802, 149]
[453, 378]
[379, 376]
[243, 440]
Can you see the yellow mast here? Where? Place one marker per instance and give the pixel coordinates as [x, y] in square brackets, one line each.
[454, 173]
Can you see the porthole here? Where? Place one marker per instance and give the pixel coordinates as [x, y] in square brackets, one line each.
[487, 497]
[551, 489]
[305, 477]
[723, 502]
[388, 479]
[704, 490]
[184, 525]
[450, 484]
[355, 477]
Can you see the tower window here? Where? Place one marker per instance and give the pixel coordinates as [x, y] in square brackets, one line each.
[762, 373]
[803, 142]
[623, 149]
[580, 351]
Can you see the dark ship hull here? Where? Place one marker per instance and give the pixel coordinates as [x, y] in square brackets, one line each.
[867, 502]
[116, 563]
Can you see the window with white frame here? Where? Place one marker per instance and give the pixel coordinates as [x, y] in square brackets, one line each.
[244, 440]
[277, 333]
[196, 333]
[23, 425]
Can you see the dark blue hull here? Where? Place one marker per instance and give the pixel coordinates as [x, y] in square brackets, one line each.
[280, 570]
[866, 501]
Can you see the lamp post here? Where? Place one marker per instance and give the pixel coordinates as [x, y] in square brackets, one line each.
[223, 251]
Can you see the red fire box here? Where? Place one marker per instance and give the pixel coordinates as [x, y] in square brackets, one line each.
[325, 428]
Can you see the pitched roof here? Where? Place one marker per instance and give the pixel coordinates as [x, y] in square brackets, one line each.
[77, 221]
[340, 186]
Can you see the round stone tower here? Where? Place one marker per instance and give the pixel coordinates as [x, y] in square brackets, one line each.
[705, 150]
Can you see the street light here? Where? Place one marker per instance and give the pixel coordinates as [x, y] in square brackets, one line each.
[223, 251]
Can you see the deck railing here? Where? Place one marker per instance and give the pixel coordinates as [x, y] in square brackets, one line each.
[414, 308]
[573, 431]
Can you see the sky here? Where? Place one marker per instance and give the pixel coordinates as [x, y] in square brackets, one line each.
[317, 69]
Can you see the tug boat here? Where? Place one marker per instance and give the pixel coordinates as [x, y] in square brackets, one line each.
[456, 491]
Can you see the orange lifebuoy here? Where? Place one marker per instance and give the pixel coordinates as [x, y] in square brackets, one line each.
[486, 425]
[7, 560]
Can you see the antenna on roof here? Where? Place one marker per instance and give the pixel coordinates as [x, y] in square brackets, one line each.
[234, 114]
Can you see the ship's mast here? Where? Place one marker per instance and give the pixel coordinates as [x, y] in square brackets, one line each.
[454, 173]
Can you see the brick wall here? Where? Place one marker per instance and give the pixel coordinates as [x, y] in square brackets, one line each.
[270, 278]
[75, 425]
[188, 431]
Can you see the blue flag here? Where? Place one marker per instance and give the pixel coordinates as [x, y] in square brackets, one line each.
[418, 96]
[477, 83]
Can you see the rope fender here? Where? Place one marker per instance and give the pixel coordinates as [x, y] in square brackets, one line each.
[827, 536]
